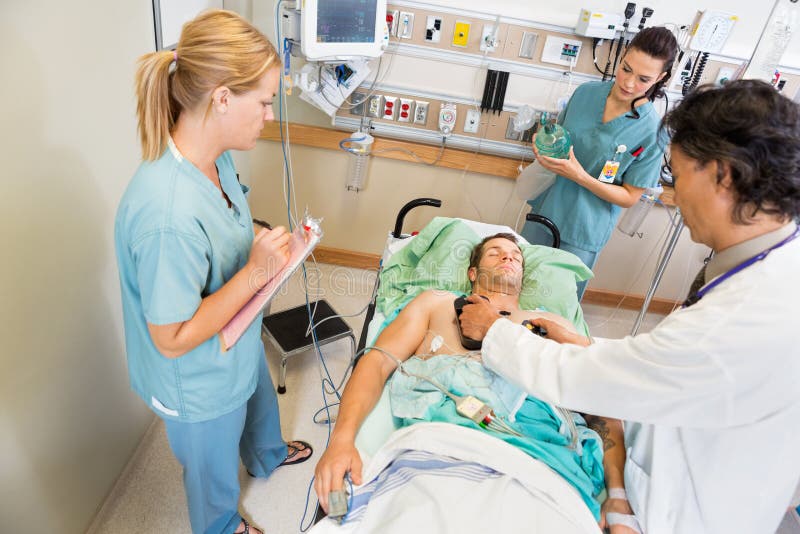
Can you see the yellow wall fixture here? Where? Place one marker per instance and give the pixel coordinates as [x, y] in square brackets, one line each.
[461, 33]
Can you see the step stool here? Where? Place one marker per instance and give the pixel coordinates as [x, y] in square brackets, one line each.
[287, 329]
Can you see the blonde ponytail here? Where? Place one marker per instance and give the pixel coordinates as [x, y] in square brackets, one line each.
[216, 48]
[153, 106]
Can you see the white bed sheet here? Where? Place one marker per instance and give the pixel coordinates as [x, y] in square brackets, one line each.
[527, 497]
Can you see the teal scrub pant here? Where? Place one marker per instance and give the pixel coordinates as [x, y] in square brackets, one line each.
[209, 452]
[538, 234]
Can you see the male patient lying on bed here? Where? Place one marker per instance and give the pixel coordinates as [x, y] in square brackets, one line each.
[426, 327]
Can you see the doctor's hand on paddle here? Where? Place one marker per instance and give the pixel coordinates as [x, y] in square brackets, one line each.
[560, 334]
[268, 254]
[339, 458]
[477, 317]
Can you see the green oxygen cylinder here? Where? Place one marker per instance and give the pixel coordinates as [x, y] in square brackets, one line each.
[552, 140]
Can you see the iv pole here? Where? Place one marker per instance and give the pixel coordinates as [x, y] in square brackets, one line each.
[677, 228]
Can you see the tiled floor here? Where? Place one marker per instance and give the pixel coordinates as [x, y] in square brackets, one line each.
[616, 323]
[149, 496]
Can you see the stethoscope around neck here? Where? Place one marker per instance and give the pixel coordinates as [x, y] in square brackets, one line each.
[741, 267]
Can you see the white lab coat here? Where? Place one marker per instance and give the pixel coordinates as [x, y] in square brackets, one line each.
[715, 389]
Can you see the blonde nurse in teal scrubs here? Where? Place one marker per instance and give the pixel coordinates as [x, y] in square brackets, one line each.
[189, 259]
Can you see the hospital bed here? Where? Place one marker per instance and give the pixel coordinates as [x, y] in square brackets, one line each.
[439, 477]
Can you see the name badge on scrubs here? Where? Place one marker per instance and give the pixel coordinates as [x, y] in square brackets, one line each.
[611, 167]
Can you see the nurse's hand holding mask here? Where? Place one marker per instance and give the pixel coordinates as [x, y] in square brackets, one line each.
[269, 253]
[569, 168]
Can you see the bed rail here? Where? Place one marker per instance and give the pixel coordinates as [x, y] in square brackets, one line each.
[397, 233]
[541, 219]
[398, 225]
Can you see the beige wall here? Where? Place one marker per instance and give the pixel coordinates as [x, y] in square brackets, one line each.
[360, 221]
[68, 420]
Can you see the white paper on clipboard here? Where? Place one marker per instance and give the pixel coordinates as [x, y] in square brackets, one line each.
[303, 240]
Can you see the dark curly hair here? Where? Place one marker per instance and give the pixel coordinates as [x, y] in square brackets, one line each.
[749, 126]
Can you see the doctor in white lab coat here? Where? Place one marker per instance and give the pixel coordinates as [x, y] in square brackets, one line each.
[711, 396]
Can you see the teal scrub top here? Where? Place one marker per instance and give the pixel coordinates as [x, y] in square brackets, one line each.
[177, 241]
[584, 219]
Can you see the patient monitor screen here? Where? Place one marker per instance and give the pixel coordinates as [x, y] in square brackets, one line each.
[346, 21]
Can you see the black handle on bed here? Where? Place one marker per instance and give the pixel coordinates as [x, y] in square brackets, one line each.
[541, 219]
[398, 225]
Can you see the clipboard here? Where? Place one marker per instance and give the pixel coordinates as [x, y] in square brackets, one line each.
[304, 239]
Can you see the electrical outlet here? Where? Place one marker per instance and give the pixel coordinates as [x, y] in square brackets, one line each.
[392, 20]
[376, 106]
[472, 121]
[389, 105]
[406, 27]
[528, 45]
[461, 33]
[489, 39]
[421, 112]
[359, 99]
[561, 51]
[433, 29]
[406, 111]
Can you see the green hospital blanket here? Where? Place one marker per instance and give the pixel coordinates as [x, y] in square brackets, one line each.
[414, 400]
[438, 258]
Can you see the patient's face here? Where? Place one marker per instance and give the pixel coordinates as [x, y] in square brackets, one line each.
[500, 267]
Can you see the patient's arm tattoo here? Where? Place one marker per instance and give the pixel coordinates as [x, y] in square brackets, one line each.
[599, 425]
[611, 432]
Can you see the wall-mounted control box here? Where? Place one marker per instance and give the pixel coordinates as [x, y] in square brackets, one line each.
[433, 29]
[472, 121]
[447, 118]
[561, 51]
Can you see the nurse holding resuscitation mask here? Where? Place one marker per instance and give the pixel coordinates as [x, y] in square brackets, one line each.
[616, 152]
